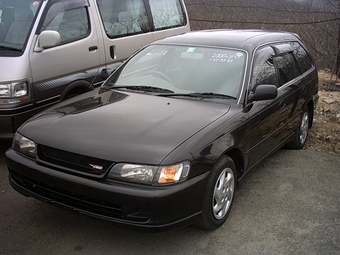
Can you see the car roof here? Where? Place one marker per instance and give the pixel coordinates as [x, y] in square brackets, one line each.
[239, 39]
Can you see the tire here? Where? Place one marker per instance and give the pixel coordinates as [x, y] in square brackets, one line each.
[219, 194]
[70, 95]
[75, 88]
[301, 133]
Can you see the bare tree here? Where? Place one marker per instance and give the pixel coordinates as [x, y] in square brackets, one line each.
[316, 21]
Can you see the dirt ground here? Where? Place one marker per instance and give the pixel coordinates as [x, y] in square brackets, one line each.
[325, 133]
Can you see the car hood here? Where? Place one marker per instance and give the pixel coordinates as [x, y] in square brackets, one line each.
[122, 127]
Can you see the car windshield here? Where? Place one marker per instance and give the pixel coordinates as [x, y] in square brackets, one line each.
[16, 18]
[178, 70]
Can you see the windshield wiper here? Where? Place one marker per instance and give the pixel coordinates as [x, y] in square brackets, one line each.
[9, 48]
[199, 95]
[215, 95]
[144, 88]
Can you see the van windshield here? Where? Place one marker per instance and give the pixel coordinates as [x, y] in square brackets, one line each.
[16, 19]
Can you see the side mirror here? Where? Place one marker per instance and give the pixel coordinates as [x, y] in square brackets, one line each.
[48, 39]
[104, 74]
[263, 92]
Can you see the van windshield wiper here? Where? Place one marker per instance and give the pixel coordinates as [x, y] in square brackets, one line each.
[2, 47]
[144, 88]
[199, 95]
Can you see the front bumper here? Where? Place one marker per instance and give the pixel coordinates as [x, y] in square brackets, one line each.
[11, 122]
[131, 205]
[13, 116]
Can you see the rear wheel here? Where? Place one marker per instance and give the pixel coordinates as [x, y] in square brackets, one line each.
[219, 194]
[301, 133]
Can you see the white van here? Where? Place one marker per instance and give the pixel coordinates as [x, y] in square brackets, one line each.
[51, 50]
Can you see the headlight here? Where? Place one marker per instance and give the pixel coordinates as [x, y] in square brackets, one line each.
[24, 145]
[14, 92]
[150, 174]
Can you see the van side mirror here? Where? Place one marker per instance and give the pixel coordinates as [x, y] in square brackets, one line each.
[48, 39]
[104, 74]
[263, 92]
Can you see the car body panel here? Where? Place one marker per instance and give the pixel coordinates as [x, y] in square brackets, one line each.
[130, 207]
[123, 118]
[127, 125]
[84, 48]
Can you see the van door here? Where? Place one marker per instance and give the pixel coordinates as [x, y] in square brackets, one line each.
[131, 24]
[76, 59]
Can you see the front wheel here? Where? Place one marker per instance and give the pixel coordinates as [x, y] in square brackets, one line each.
[219, 194]
[301, 133]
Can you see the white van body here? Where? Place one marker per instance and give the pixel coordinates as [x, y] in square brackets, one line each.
[51, 50]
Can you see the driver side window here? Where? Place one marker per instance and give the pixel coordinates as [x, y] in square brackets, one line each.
[264, 71]
[70, 20]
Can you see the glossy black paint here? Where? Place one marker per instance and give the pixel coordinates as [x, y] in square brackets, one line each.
[95, 121]
[140, 128]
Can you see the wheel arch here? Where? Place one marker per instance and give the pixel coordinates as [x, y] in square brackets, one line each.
[75, 88]
[310, 106]
[236, 155]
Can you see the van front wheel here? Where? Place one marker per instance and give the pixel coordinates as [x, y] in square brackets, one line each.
[76, 88]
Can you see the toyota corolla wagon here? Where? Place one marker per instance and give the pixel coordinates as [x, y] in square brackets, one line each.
[164, 141]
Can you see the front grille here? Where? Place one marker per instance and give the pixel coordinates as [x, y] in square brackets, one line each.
[68, 199]
[73, 161]
[96, 207]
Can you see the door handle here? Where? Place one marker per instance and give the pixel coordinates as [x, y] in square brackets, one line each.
[282, 104]
[93, 48]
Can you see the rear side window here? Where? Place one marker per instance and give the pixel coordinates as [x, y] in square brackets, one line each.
[166, 13]
[69, 18]
[286, 68]
[128, 17]
[123, 17]
[302, 57]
